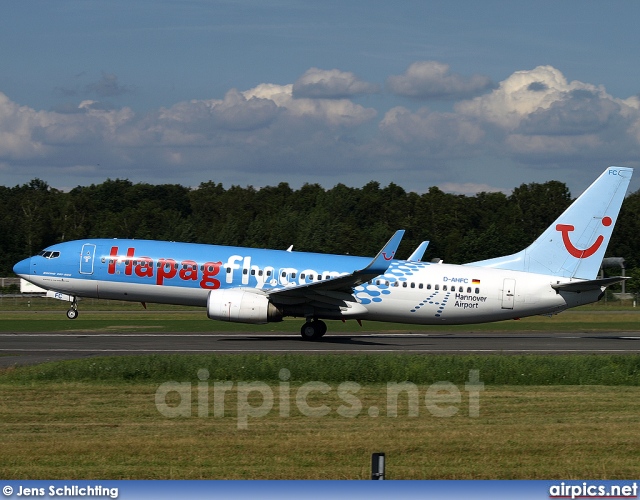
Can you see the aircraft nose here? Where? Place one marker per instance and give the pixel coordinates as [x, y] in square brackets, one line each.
[23, 268]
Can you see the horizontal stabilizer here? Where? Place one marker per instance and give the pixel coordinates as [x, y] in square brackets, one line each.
[588, 285]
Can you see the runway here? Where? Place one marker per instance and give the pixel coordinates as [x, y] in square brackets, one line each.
[33, 348]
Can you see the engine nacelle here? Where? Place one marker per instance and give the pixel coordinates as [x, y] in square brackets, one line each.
[241, 306]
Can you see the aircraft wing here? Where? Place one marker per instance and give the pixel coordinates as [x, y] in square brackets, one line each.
[337, 291]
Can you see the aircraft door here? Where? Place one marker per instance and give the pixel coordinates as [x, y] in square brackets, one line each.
[86, 258]
[508, 293]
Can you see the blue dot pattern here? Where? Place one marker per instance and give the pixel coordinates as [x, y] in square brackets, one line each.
[401, 272]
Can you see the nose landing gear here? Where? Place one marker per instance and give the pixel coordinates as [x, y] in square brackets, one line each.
[72, 312]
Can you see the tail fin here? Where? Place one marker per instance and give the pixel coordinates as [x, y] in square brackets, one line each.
[574, 245]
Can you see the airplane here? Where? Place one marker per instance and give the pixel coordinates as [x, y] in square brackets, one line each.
[248, 285]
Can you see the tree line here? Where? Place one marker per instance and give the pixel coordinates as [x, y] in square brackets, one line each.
[343, 220]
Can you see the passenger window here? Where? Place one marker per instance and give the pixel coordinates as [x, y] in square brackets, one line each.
[437, 287]
[413, 285]
[444, 288]
[429, 286]
[420, 285]
[404, 285]
[477, 290]
[469, 289]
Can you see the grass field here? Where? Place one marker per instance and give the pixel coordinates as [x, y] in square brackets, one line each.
[91, 431]
[102, 419]
[563, 417]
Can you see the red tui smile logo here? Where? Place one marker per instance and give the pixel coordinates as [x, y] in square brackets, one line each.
[565, 229]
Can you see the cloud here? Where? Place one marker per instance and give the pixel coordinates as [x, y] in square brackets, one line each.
[334, 112]
[266, 134]
[330, 84]
[235, 112]
[432, 80]
[527, 92]
[434, 133]
[538, 116]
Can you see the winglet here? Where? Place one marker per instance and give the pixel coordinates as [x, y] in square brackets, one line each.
[346, 283]
[418, 253]
[380, 263]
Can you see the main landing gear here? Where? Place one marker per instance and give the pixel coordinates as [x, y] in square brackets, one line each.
[313, 330]
[72, 312]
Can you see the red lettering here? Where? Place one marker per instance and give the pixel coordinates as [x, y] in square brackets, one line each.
[144, 267]
[189, 270]
[112, 260]
[166, 269]
[210, 269]
[128, 267]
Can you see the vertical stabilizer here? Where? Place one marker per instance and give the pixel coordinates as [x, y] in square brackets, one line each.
[574, 245]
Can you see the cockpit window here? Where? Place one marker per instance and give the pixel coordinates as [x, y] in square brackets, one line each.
[48, 254]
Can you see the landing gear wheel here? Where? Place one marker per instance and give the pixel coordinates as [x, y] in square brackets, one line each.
[323, 328]
[313, 330]
[72, 313]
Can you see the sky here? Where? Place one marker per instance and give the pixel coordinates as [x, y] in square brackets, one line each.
[468, 96]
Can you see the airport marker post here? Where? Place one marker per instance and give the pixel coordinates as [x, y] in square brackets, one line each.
[377, 466]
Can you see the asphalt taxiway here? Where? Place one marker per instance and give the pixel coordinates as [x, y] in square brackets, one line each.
[33, 348]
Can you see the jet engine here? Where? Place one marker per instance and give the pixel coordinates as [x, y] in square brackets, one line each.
[241, 306]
